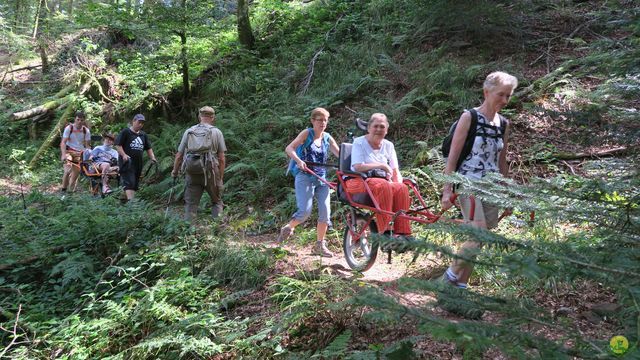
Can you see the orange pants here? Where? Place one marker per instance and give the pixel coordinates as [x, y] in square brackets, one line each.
[390, 196]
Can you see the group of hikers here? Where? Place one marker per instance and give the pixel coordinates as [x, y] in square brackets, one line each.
[376, 156]
[201, 157]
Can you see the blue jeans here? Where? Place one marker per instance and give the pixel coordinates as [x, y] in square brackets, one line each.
[306, 187]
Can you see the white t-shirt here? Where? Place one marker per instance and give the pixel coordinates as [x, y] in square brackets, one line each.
[363, 153]
[77, 137]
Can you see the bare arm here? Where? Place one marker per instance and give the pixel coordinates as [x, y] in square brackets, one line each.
[122, 154]
[457, 143]
[177, 162]
[151, 155]
[396, 176]
[63, 148]
[502, 159]
[370, 166]
[333, 145]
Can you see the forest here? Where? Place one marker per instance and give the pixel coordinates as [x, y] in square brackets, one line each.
[84, 276]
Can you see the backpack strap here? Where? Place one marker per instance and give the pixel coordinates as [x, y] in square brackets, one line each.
[470, 139]
[503, 126]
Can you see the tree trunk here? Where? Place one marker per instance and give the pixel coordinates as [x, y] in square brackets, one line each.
[42, 50]
[245, 34]
[185, 66]
[37, 19]
[58, 99]
[71, 9]
[17, 16]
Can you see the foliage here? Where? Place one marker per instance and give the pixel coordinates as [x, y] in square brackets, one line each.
[124, 282]
[609, 219]
[100, 279]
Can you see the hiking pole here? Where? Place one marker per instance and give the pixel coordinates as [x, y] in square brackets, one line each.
[173, 186]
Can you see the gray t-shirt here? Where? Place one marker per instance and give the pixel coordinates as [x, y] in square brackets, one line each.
[218, 139]
[77, 137]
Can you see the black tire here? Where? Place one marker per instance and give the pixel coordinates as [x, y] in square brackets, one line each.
[360, 255]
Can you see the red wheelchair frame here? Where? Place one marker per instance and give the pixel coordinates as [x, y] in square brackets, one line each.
[360, 253]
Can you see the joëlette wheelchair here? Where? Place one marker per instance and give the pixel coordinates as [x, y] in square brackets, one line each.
[359, 248]
[92, 172]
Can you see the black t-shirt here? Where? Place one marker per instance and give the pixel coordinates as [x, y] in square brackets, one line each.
[134, 145]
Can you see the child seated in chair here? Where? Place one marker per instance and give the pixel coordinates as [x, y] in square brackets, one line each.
[105, 159]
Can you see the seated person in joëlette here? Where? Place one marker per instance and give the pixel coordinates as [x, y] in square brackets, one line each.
[105, 159]
[376, 156]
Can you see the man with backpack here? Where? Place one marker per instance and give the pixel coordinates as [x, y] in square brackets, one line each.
[201, 157]
[76, 138]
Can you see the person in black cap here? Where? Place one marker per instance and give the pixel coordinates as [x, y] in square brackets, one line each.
[76, 138]
[131, 143]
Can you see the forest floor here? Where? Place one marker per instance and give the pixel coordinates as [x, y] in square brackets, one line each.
[579, 304]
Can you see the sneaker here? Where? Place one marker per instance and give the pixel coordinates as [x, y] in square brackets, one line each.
[285, 233]
[321, 249]
[106, 190]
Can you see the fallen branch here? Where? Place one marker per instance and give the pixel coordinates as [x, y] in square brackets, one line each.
[590, 154]
[30, 67]
[304, 84]
[58, 99]
[30, 259]
[564, 156]
[13, 333]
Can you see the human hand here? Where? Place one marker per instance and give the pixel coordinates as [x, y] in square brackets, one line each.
[154, 160]
[302, 165]
[387, 169]
[446, 202]
[125, 158]
[507, 211]
[63, 157]
[174, 174]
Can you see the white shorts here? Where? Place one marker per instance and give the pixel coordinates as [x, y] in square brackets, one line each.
[483, 212]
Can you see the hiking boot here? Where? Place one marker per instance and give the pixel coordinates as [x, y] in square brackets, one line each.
[285, 232]
[321, 249]
[455, 300]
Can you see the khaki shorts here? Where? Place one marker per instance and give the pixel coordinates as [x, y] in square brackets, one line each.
[483, 212]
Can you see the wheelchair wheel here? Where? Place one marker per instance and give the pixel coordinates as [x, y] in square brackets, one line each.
[359, 252]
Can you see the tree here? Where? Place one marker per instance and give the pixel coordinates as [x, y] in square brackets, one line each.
[39, 36]
[245, 35]
[181, 18]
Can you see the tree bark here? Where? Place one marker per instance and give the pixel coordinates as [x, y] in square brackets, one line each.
[185, 66]
[16, 22]
[37, 19]
[59, 98]
[71, 9]
[245, 34]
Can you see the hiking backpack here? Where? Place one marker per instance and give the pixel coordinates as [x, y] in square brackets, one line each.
[200, 149]
[471, 136]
